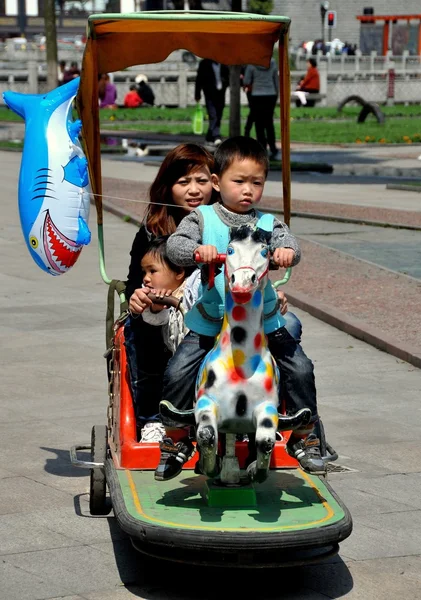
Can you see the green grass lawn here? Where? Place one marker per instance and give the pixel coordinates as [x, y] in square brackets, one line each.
[342, 132]
[317, 125]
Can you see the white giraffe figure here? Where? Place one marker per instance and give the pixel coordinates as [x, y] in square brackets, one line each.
[237, 389]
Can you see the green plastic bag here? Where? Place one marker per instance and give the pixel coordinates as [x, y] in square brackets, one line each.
[198, 119]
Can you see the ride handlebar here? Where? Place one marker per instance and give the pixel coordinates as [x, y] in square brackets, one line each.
[219, 260]
[166, 301]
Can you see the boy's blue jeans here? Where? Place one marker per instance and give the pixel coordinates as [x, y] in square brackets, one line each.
[297, 385]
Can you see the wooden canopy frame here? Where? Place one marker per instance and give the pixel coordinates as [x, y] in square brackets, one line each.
[118, 41]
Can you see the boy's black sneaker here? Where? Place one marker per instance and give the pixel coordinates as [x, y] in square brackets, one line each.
[307, 452]
[173, 457]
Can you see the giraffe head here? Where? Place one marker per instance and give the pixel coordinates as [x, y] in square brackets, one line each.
[247, 262]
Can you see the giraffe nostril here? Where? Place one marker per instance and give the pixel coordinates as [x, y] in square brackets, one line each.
[232, 278]
[253, 278]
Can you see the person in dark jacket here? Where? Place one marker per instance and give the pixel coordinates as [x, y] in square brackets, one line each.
[144, 90]
[213, 79]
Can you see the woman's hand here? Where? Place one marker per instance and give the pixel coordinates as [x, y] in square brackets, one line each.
[139, 300]
[283, 301]
[283, 257]
[206, 253]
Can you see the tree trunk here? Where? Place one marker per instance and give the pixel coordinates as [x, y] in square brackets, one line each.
[51, 43]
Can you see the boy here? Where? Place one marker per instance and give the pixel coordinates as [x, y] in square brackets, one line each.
[241, 167]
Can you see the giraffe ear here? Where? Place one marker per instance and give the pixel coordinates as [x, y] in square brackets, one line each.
[261, 236]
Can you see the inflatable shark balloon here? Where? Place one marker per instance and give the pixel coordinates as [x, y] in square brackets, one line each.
[54, 190]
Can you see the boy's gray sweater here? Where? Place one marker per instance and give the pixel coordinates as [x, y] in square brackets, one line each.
[189, 235]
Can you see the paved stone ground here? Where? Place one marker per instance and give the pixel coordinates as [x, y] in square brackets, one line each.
[54, 390]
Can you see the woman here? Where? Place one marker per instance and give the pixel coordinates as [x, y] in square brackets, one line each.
[183, 182]
[310, 83]
[107, 92]
[264, 84]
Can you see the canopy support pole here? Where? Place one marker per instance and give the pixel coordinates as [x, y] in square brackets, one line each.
[285, 97]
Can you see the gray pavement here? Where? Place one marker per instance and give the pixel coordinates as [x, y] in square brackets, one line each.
[54, 388]
[324, 188]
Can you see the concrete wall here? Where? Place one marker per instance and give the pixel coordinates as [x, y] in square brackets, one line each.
[306, 20]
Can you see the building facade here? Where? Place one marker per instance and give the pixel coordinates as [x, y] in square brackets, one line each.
[306, 22]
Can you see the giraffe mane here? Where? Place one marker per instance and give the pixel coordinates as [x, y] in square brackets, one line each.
[257, 234]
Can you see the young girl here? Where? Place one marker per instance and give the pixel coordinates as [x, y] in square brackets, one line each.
[182, 184]
[162, 277]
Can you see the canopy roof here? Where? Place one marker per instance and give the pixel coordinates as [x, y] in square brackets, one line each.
[118, 41]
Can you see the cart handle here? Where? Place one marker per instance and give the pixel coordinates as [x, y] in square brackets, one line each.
[166, 301]
[219, 260]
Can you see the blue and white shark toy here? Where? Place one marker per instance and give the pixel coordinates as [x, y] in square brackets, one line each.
[54, 189]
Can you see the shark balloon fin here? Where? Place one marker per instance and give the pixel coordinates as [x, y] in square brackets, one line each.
[76, 171]
[74, 128]
[83, 234]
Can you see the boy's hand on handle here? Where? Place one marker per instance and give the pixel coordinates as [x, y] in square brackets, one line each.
[139, 300]
[283, 257]
[207, 254]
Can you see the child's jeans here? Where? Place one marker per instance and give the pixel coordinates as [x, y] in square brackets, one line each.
[297, 385]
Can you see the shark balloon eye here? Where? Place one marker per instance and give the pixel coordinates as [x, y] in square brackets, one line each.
[33, 241]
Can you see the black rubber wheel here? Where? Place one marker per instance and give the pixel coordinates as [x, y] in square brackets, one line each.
[98, 504]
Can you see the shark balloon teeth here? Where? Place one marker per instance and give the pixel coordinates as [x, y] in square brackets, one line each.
[61, 252]
[54, 189]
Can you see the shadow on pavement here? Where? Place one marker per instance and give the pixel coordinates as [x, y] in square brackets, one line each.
[61, 466]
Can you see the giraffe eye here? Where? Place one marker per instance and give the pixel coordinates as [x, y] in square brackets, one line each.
[264, 252]
[33, 242]
[230, 250]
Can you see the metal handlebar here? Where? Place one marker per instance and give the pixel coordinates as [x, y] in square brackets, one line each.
[219, 260]
[285, 279]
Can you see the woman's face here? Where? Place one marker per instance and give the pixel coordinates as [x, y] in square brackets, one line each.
[193, 189]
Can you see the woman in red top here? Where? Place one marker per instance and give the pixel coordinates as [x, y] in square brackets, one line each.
[310, 83]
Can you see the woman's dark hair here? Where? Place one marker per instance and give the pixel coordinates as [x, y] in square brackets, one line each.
[313, 62]
[163, 220]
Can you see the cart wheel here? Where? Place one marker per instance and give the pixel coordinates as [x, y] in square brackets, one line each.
[98, 486]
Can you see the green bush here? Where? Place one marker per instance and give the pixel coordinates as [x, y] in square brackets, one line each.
[261, 7]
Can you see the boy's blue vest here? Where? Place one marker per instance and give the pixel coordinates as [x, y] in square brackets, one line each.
[207, 314]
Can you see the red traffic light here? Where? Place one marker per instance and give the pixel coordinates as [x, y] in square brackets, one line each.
[331, 18]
